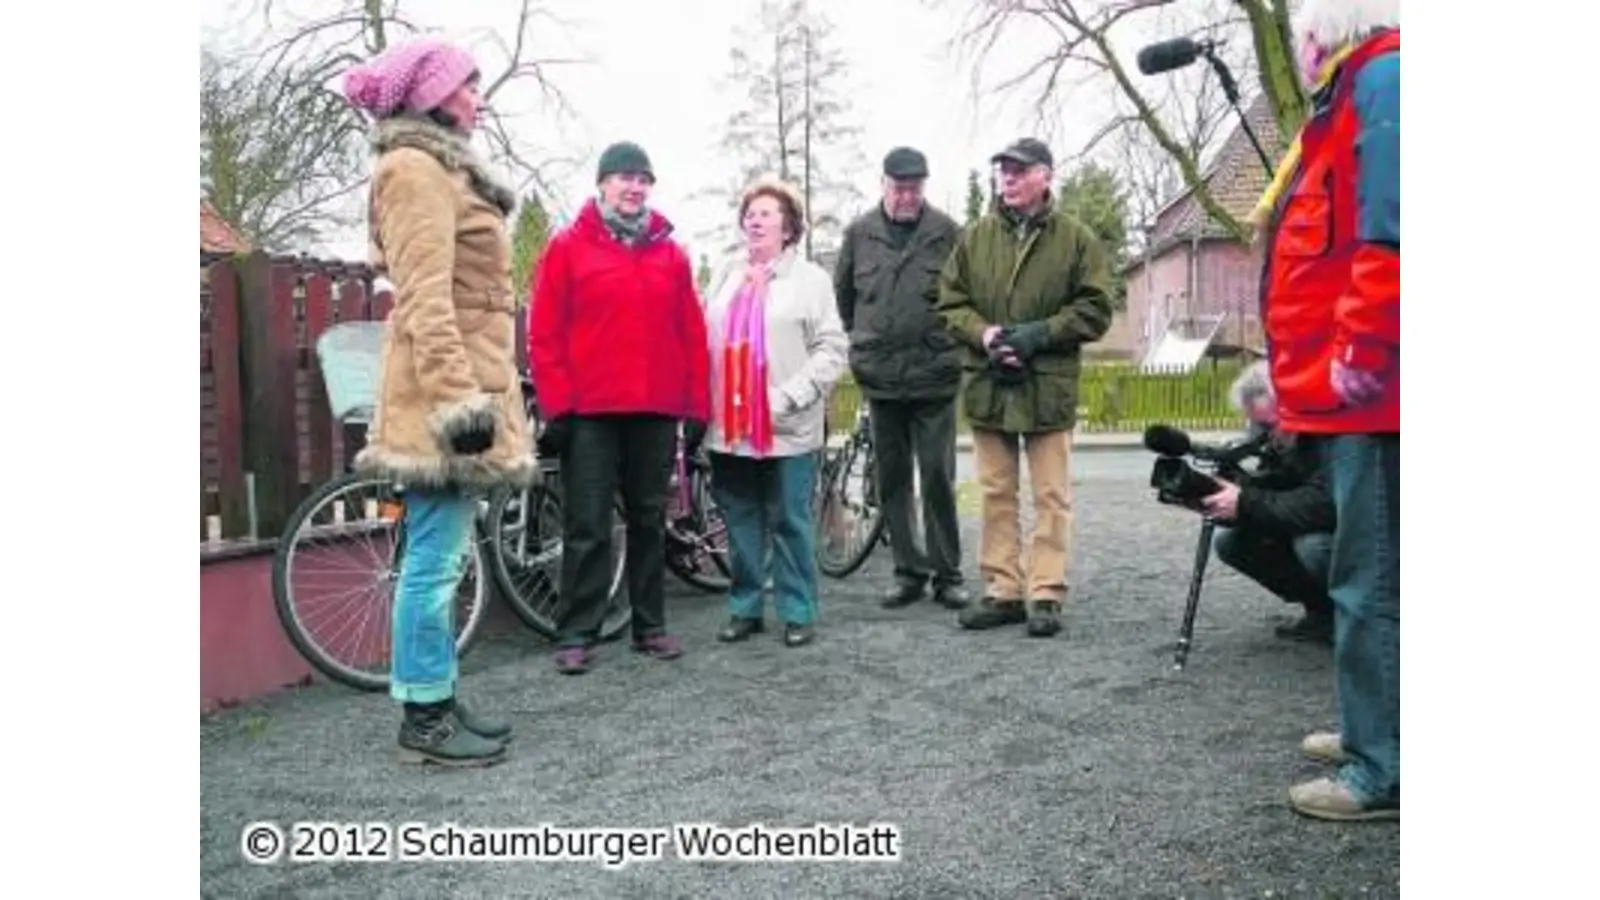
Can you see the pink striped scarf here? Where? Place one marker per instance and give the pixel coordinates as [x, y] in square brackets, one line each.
[745, 410]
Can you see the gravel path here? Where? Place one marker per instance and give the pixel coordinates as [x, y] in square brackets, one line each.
[1014, 768]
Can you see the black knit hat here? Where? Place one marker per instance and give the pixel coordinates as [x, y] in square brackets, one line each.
[624, 156]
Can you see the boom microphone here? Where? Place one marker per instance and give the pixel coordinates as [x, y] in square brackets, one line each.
[1167, 441]
[1168, 55]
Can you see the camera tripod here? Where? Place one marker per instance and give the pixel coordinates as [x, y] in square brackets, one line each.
[1202, 555]
[1179, 484]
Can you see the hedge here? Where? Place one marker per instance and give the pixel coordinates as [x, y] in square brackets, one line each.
[1122, 398]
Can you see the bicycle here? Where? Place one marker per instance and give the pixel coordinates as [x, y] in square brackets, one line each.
[362, 519]
[697, 538]
[352, 508]
[525, 557]
[842, 517]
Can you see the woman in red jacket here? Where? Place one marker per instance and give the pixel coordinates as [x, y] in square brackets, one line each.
[617, 347]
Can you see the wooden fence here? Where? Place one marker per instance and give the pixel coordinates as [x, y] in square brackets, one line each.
[1119, 398]
[266, 435]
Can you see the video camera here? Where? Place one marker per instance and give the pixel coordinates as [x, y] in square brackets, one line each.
[1177, 483]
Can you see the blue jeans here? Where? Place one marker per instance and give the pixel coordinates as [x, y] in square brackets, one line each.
[1364, 581]
[433, 559]
[767, 503]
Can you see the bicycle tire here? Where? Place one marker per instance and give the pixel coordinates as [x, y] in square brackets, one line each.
[283, 601]
[699, 498]
[839, 469]
[546, 505]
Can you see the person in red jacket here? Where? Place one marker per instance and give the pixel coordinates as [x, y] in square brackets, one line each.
[617, 347]
[1331, 307]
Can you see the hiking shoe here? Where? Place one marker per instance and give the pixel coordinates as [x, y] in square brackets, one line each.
[431, 734]
[572, 660]
[1328, 799]
[658, 646]
[902, 595]
[1308, 629]
[1324, 746]
[1044, 618]
[992, 613]
[740, 628]
[952, 596]
[480, 724]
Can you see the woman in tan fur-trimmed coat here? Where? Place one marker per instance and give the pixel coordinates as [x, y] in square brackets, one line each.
[449, 422]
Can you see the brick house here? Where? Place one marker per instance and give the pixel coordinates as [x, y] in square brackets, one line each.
[217, 237]
[1193, 292]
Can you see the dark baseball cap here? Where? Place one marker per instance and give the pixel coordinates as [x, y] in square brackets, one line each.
[905, 163]
[1028, 152]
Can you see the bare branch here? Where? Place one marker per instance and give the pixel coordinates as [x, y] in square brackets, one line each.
[267, 169]
[288, 217]
[276, 150]
[532, 174]
[1183, 127]
[1115, 126]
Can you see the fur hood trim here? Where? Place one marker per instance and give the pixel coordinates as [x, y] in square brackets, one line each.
[450, 149]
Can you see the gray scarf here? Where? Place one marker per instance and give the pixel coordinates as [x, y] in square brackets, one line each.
[627, 229]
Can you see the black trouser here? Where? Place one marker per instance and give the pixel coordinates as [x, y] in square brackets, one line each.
[1296, 569]
[605, 453]
[920, 433]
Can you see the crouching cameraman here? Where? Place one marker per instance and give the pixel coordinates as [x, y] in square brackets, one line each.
[1278, 528]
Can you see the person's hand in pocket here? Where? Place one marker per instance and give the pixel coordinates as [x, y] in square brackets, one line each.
[1356, 387]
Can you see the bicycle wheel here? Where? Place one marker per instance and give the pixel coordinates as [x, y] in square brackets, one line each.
[340, 553]
[697, 538]
[525, 552]
[849, 525]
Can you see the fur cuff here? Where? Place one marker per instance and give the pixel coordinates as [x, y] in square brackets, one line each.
[477, 473]
[475, 413]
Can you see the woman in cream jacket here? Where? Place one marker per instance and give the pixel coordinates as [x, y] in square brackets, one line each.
[777, 350]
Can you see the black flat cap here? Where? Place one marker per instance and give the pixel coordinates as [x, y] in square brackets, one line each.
[904, 162]
[1028, 152]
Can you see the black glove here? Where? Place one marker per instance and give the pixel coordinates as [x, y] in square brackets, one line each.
[1026, 339]
[476, 438]
[1008, 366]
[1010, 373]
[694, 434]
[553, 440]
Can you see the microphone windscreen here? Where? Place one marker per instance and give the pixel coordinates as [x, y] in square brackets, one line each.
[1166, 440]
[1168, 55]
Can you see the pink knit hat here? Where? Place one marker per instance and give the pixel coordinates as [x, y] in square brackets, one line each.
[416, 76]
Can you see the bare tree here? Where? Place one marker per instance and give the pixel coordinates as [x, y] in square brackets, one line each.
[1150, 174]
[1183, 120]
[793, 118]
[277, 152]
[343, 33]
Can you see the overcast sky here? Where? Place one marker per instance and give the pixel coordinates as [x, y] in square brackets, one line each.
[656, 73]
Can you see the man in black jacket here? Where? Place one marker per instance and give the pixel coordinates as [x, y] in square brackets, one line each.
[909, 370]
[1280, 524]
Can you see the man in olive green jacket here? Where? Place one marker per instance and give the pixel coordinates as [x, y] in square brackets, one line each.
[1024, 289]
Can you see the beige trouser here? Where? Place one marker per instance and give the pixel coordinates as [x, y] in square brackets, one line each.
[1044, 576]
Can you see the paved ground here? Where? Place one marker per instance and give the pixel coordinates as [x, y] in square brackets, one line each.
[1015, 768]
